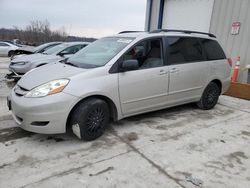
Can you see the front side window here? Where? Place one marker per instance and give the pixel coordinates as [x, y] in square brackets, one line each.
[184, 50]
[100, 52]
[148, 54]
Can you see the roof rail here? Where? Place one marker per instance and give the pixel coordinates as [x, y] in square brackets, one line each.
[129, 32]
[182, 31]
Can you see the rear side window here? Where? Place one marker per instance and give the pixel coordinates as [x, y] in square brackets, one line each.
[212, 49]
[184, 50]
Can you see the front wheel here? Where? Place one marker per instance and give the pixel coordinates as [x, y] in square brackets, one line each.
[209, 97]
[90, 118]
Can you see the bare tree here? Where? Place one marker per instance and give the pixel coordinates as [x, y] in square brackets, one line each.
[36, 32]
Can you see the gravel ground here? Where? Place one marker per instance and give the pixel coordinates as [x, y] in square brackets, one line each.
[176, 147]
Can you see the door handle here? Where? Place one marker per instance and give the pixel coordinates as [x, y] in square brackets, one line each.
[174, 70]
[162, 72]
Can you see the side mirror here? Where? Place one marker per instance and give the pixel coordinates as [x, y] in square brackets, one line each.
[63, 53]
[129, 65]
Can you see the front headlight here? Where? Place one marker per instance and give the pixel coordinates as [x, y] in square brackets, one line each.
[20, 63]
[49, 88]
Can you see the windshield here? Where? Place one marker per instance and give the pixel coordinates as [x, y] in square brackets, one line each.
[43, 47]
[39, 47]
[55, 49]
[99, 52]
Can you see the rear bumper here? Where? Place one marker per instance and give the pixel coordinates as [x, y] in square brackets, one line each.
[225, 85]
[46, 115]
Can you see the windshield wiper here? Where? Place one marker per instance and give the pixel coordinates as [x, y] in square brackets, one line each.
[88, 66]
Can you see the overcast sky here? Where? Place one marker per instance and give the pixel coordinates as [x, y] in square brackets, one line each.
[91, 18]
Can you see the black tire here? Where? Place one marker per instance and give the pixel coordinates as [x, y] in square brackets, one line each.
[209, 97]
[11, 53]
[92, 117]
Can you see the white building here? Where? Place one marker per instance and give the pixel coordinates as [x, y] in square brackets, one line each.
[229, 20]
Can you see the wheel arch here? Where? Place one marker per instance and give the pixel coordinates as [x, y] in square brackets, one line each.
[111, 105]
[218, 83]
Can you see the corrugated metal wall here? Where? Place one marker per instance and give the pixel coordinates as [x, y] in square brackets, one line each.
[188, 14]
[225, 12]
[155, 14]
[147, 15]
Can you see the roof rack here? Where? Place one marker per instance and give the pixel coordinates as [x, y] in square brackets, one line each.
[129, 32]
[182, 31]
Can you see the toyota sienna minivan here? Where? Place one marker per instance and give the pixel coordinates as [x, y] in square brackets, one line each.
[119, 76]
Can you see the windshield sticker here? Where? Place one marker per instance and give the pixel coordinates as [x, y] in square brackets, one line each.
[124, 40]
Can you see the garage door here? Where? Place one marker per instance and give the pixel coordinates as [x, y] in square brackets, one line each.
[187, 14]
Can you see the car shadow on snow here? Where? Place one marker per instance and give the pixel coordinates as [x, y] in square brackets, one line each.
[14, 133]
[8, 135]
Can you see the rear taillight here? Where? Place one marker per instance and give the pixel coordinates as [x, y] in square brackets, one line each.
[230, 62]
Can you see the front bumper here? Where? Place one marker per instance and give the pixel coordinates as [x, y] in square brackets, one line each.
[13, 75]
[19, 69]
[46, 115]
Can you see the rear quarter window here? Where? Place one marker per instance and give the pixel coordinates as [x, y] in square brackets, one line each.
[213, 50]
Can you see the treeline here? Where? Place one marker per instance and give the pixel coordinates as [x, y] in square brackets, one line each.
[38, 32]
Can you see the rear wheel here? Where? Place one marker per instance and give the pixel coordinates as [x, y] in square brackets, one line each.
[90, 118]
[209, 97]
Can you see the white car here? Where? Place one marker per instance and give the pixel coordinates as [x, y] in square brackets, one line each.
[20, 65]
[7, 49]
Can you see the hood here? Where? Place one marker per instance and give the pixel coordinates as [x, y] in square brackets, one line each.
[33, 58]
[23, 51]
[47, 73]
[26, 49]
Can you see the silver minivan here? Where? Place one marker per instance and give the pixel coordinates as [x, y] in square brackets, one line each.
[119, 76]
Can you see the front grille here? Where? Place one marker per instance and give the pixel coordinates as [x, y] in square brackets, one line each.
[20, 91]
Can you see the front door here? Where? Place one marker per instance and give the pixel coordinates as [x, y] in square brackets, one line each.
[144, 89]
